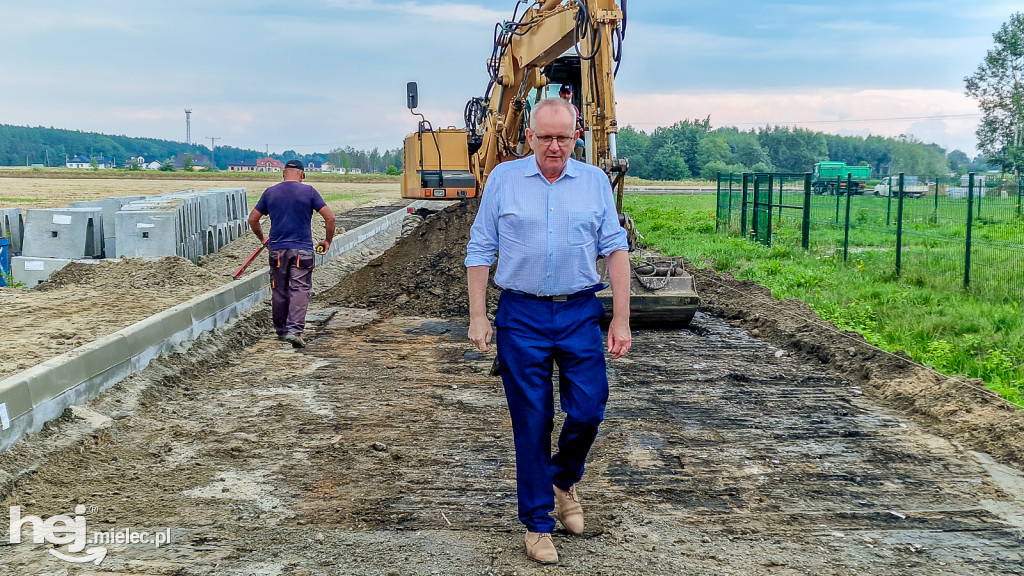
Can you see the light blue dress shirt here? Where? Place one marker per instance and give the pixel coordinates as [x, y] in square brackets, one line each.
[548, 235]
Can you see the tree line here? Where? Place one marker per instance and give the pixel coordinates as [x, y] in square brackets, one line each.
[691, 149]
[25, 146]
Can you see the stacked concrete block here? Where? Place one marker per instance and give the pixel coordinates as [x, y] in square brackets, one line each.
[232, 214]
[30, 271]
[153, 227]
[64, 233]
[186, 223]
[12, 227]
[110, 207]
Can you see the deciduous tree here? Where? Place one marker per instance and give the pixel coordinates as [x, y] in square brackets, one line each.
[998, 85]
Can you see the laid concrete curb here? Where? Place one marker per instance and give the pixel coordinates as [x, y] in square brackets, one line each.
[35, 396]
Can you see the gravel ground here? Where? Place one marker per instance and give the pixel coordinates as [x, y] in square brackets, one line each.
[745, 444]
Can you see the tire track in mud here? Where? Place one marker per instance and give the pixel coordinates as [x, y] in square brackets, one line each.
[383, 448]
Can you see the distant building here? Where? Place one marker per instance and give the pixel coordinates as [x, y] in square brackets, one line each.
[327, 168]
[243, 166]
[81, 162]
[314, 166]
[199, 161]
[269, 164]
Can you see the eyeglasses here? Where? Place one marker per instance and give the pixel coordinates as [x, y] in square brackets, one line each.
[561, 140]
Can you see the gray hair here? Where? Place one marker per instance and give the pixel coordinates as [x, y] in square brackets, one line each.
[547, 103]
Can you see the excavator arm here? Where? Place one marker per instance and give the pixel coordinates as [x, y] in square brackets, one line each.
[578, 42]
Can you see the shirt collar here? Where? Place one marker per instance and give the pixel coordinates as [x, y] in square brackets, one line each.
[570, 170]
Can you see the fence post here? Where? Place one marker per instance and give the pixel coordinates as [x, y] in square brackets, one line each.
[899, 227]
[846, 233]
[888, 204]
[718, 202]
[728, 221]
[978, 195]
[743, 207]
[935, 212]
[1020, 192]
[755, 218]
[970, 222]
[839, 188]
[782, 180]
[805, 232]
[771, 192]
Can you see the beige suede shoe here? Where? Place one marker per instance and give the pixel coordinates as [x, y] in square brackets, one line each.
[569, 510]
[540, 548]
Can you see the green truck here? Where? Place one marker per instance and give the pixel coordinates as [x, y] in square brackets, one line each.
[830, 178]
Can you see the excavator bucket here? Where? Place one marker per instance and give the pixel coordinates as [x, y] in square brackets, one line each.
[662, 294]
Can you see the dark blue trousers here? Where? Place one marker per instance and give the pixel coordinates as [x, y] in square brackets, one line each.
[532, 335]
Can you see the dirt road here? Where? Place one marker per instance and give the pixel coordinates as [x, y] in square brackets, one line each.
[384, 448]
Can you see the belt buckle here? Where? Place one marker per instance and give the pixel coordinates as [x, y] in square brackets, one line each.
[560, 298]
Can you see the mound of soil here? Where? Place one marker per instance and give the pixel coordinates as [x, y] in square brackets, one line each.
[960, 408]
[423, 274]
[132, 273]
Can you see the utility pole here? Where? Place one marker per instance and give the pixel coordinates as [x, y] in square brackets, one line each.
[213, 143]
[188, 126]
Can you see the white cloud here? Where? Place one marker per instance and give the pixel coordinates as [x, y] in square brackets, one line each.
[944, 117]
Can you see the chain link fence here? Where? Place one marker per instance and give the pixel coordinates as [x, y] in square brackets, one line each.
[950, 231]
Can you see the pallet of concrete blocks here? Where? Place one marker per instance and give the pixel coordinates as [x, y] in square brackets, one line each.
[12, 227]
[110, 206]
[164, 225]
[70, 233]
[232, 212]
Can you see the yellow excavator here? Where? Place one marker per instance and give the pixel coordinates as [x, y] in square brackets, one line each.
[553, 42]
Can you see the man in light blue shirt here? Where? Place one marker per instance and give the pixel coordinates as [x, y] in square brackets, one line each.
[549, 217]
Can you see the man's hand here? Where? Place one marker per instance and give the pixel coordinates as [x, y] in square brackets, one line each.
[620, 340]
[322, 247]
[265, 241]
[480, 332]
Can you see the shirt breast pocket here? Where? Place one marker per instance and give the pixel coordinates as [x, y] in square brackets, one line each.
[582, 228]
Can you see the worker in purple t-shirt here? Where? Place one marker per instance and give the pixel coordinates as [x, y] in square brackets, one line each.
[290, 205]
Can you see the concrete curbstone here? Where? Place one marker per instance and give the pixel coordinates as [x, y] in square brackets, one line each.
[156, 328]
[87, 361]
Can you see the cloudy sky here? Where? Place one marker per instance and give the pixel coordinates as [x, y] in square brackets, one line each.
[312, 75]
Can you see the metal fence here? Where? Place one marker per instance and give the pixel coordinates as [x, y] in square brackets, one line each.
[950, 231]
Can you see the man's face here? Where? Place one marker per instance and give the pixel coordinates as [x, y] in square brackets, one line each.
[567, 96]
[553, 123]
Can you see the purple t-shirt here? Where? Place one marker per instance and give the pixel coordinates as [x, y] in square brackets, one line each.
[290, 206]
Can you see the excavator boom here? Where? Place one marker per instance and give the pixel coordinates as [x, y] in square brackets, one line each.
[574, 42]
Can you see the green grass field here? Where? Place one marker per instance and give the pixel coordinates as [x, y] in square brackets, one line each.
[924, 311]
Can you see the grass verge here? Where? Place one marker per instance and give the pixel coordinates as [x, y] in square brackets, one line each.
[952, 330]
